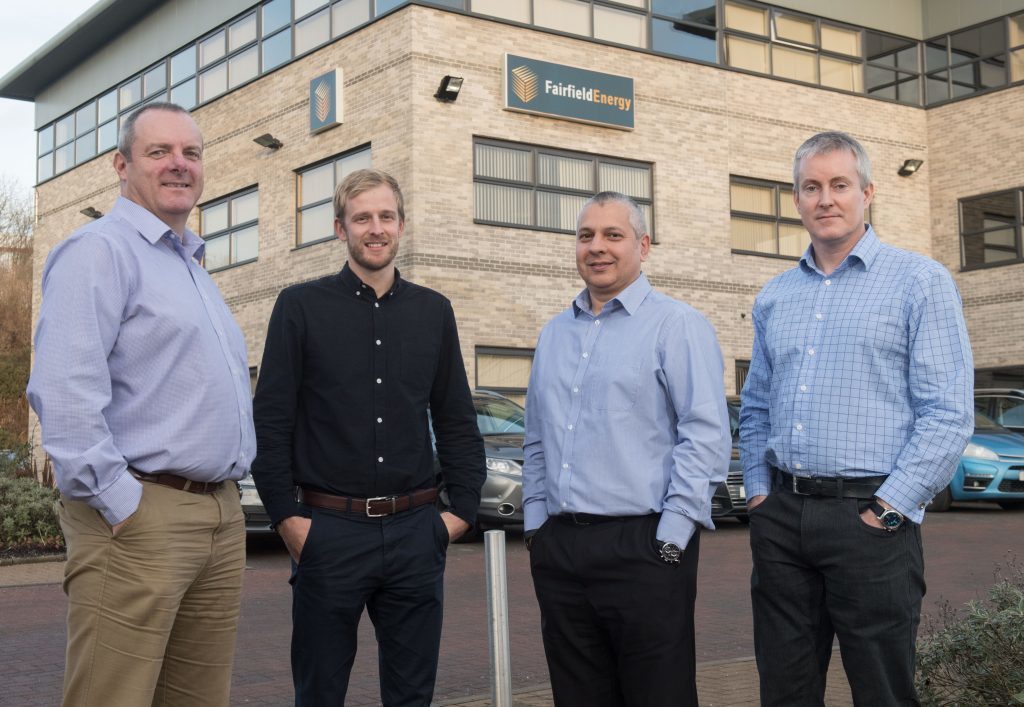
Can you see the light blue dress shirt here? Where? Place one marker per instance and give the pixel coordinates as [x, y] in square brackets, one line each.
[866, 371]
[138, 362]
[626, 414]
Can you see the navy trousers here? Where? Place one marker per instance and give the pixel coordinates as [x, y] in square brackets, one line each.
[821, 572]
[392, 566]
[616, 620]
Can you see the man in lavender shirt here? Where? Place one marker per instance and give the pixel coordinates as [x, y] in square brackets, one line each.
[141, 386]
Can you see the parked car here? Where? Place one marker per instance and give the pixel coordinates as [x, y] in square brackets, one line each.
[991, 468]
[730, 499]
[1004, 405]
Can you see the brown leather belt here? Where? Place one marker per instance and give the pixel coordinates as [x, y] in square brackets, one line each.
[178, 482]
[376, 507]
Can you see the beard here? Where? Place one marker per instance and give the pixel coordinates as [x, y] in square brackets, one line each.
[372, 261]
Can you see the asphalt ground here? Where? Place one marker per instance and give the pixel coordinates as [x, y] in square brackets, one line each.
[962, 549]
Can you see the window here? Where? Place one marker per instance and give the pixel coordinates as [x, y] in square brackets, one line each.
[990, 229]
[685, 28]
[742, 369]
[231, 231]
[968, 61]
[315, 218]
[542, 188]
[893, 66]
[504, 370]
[793, 46]
[764, 218]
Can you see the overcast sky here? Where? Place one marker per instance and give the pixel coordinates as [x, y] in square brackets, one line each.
[24, 28]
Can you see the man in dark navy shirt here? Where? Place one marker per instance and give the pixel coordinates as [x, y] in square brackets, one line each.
[344, 466]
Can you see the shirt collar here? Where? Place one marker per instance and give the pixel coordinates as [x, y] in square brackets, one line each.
[153, 229]
[352, 282]
[629, 299]
[865, 253]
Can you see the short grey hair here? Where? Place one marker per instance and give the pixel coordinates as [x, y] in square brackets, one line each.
[636, 216]
[126, 137]
[826, 142]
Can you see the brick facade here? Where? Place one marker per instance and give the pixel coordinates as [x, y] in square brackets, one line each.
[696, 124]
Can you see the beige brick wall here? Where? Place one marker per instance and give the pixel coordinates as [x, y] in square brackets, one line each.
[696, 124]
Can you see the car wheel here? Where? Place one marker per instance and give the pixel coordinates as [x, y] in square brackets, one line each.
[942, 501]
[1011, 505]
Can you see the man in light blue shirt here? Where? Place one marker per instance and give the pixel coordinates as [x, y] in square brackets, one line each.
[856, 408]
[141, 385]
[627, 436]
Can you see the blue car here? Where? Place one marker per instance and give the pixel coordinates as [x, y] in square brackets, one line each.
[990, 469]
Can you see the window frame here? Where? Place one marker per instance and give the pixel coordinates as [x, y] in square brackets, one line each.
[775, 219]
[300, 207]
[536, 187]
[1018, 194]
[505, 351]
[231, 229]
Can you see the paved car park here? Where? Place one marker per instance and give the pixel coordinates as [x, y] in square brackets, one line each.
[961, 550]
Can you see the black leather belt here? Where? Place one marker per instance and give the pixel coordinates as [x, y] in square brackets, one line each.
[589, 518]
[861, 487]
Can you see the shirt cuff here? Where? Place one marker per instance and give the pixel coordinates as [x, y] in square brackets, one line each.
[675, 528]
[119, 500]
[534, 515]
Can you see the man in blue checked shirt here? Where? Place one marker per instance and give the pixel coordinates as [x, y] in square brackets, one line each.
[856, 408]
[141, 384]
[627, 436]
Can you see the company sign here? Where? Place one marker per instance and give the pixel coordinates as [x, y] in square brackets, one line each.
[325, 101]
[560, 91]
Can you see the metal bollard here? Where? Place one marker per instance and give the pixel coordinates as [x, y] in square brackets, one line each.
[497, 614]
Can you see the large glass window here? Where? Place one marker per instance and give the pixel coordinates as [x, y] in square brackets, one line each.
[230, 227]
[504, 370]
[315, 218]
[990, 229]
[542, 188]
[764, 219]
[966, 62]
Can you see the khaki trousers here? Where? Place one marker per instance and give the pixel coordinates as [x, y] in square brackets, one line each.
[153, 613]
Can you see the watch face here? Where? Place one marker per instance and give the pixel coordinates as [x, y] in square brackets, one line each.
[891, 519]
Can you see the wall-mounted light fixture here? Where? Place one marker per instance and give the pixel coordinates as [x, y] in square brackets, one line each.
[269, 141]
[91, 212]
[909, 167]
[449, 89]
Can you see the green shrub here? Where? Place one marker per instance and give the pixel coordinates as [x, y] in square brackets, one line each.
[976, 658]
[27, 518]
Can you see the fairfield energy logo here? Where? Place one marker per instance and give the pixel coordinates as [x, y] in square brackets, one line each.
[322, 100]
[524, 84]
[590, 95]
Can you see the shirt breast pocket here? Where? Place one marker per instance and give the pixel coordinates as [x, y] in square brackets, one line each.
[614, 386]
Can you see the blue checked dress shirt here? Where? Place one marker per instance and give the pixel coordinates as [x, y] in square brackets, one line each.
[626, 414]
[866, 371]
[138, 362]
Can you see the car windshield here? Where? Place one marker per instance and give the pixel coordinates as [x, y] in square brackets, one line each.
[497, 416]
[734, 420]
[984, 422]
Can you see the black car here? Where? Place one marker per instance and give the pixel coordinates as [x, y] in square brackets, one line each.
[730, 499]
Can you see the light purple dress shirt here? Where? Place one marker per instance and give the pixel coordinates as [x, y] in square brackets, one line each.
[138, 362]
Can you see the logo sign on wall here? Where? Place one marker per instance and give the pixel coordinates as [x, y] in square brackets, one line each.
[325, 101]
[560, 91]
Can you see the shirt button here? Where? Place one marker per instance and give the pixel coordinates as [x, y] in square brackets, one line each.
[828, 282]
[378, 380]
[564, 504]
[798, 426]
[818, 316]
[357, 293]
[570, 427]
[597, 322]
[376, 304]
[565, 466]
[586, 354]
[810, 352]
[380, 459]
[798, 465]
[575, 390]
[378, 342]
[803, 389]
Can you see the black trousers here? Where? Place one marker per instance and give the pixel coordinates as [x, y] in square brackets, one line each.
[392, 566]
[617, 622]
[821, 572]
